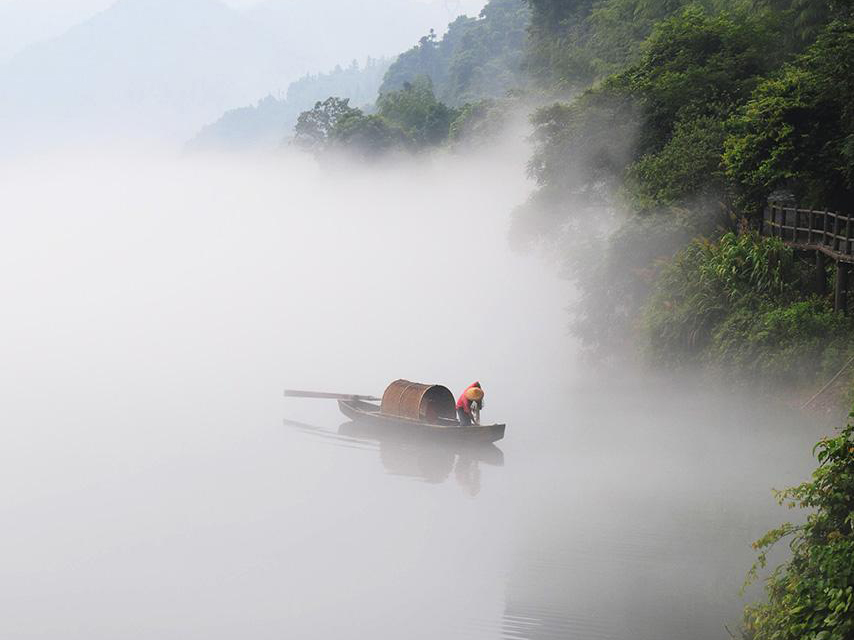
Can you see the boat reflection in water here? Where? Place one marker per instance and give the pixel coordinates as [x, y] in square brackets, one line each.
[413, 455]
[430, 459]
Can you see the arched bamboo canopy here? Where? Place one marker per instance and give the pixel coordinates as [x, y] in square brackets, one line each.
[424, 402]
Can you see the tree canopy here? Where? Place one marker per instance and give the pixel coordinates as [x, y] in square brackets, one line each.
[797, 130]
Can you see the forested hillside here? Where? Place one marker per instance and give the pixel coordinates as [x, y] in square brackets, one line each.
[692, 116]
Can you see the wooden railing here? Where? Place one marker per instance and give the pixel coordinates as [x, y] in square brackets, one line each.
[826, 231]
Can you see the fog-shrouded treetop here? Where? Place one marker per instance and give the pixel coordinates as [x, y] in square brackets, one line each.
[476, 58]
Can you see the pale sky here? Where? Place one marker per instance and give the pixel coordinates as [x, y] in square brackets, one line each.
[24, 22]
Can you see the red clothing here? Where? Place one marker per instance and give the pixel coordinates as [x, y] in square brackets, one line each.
[463, 402]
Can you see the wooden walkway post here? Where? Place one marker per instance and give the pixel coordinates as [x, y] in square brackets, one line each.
[841, 297]
[820, 274]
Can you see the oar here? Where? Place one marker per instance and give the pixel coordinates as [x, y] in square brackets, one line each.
[293, 393]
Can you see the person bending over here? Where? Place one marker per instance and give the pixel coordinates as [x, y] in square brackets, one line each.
[469, 405]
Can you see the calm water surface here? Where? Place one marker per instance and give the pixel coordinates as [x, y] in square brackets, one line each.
[598, 520]
[155, 484]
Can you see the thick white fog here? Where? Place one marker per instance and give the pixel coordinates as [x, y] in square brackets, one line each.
[155, 309]
[154, 483]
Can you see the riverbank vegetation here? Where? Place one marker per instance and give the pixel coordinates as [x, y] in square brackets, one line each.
[812, 594]
[743, 303]
[672, 124]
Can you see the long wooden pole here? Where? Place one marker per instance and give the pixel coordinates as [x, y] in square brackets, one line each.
[294, 393]
[829, 382]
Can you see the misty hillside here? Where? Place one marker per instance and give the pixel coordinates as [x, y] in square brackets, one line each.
[166, 67]
[476, 58]
[266, 124]
[476, 61]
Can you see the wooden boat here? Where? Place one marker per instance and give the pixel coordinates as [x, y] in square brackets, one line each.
[445, 428]
[419, 409]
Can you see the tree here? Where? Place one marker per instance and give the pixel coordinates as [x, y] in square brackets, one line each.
[314, 127]
[416, 110]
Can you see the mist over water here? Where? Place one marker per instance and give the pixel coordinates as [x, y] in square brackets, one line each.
[154, 483]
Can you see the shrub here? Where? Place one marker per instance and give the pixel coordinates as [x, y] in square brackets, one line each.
[706, 282]
[782, 343]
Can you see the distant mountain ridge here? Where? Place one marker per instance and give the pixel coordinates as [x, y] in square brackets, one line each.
[160, 68]
[143, 64]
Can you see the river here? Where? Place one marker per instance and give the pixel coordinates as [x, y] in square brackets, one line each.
[156, 484]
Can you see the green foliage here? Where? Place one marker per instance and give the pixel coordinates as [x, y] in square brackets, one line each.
[812, 595]
[477, 58]
[797, 131]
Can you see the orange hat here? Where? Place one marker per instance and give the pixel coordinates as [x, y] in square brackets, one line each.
[474, 394]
